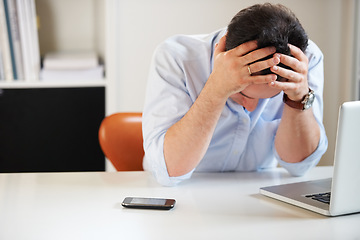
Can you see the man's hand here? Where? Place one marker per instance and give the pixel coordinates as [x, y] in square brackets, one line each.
[296, 86]
[231, 72]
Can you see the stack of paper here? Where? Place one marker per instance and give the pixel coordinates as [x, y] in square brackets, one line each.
[71, 66]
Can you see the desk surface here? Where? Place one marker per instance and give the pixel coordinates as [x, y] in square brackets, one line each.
[209, 206]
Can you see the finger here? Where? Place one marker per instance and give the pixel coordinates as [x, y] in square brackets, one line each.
[244, 48]
[293, 63]
[287, 73]
[262, 65]
[261, 79]
[258, 54]
[298, 61]
[220, 46]
[284, 86]
[297, 53]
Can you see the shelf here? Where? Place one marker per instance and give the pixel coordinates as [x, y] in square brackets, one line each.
[53, 84]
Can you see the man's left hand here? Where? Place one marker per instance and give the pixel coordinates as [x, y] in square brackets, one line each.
[296, 84]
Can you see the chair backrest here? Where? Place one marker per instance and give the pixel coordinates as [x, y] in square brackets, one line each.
[120, 138]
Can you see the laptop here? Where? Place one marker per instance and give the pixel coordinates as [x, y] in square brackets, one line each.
[340, 194]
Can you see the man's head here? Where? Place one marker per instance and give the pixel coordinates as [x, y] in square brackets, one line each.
[270, 25]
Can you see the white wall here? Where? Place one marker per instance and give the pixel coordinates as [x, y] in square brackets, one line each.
[55, 19]
[142, 24]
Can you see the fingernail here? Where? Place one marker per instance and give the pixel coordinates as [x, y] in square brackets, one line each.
[275, 68]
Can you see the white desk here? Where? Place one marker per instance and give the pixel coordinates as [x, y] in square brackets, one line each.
[209, 206]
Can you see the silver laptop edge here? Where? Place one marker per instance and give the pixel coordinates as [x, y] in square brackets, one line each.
[345, 187]
[324, 210]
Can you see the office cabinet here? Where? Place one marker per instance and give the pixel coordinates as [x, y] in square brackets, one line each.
[51, 129]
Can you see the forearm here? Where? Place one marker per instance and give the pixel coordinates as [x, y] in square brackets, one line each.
[298, 135]
[187, 141]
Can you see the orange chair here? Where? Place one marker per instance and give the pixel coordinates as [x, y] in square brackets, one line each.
[120, 137]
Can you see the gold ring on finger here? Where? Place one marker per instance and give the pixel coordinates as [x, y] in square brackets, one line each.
[249, 69]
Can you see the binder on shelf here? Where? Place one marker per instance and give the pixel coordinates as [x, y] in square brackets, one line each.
[2, 74]
[29, 39]
[5, 46]
[14, 38]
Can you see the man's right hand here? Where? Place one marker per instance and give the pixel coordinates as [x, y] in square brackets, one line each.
[231, 74]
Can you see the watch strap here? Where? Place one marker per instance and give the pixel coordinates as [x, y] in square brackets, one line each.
[296, 104]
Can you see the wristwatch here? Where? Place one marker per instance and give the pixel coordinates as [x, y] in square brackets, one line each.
[303, 104]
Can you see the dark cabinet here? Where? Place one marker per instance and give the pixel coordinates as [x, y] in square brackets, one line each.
[51, 129]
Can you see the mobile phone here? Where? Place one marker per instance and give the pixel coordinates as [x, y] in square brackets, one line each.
[148, 203]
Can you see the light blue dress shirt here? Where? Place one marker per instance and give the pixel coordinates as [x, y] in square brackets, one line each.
[242, 141]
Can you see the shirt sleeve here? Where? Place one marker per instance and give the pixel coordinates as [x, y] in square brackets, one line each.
[167, 101]
[316, 83]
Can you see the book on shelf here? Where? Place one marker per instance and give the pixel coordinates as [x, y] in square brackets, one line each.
[71, 66]
[29, 39]
[2, 73]
[19, 43]
[5, 46]
[14, 38]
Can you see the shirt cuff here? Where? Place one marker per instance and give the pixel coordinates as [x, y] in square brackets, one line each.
[162, 176]
[157, 166]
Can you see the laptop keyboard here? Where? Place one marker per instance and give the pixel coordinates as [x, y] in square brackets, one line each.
[321, 197]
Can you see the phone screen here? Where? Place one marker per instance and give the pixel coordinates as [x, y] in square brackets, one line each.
[149, 203]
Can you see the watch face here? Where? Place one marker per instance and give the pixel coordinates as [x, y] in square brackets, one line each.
[308, 101]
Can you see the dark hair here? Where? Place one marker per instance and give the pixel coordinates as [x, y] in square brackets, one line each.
[270, 25]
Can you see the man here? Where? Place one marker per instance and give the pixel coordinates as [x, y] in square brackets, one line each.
[239, 99]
